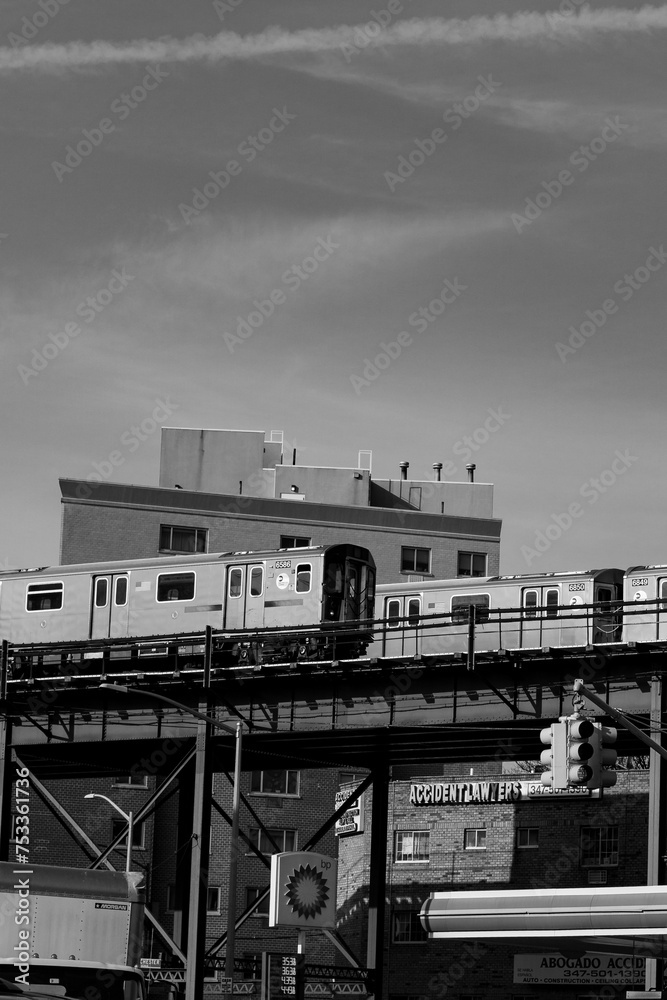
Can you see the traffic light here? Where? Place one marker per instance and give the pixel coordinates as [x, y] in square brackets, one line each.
[556, 757]
[603, 758]
[582, 745]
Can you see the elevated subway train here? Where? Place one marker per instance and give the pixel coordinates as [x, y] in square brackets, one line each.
[319, 603]
[307, 597]
[552, 609]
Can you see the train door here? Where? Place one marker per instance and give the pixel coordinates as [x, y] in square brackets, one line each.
[111, 610]
[540, 620]
[234, 604]
[662, 608]
[245, 597]
[606, 618]
[402, 633]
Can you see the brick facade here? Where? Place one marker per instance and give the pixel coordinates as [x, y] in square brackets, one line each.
[103, 522]
[552, 858]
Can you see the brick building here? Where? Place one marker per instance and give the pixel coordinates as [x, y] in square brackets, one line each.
[223, 491]
[494, 828]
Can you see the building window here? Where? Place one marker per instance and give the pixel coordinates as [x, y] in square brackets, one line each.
[275, 782]
[406, 927]
[415, 560]
[411, 845]
[527, 836]
[294, 542]
[177, 539]
[132, 780]
[474, 840]
[171, 898]
[251, 895]
[471, 564]
[138, 832]
[599, 846]
[44, 596]
[285, 839]
[213, 899]
[175, 586]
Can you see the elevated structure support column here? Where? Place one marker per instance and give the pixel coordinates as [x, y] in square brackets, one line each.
[378, 876]
[656, 816]
[201, 830]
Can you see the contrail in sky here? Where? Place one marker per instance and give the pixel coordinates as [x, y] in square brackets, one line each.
[523, 27]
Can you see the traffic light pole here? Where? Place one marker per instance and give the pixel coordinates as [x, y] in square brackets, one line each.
[620, 718]
[658, 755]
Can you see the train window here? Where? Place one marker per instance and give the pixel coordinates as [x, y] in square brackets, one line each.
[101, 592]
[256, 581]
[604, 599]
[235, 582]
[552, 602]
[303, 572]
[393, 613]
[460, 605]
[120, 597]
[414, 610]
[44, 596]
[333, 582]
[175, 586]
[663, 593]
[530, 603]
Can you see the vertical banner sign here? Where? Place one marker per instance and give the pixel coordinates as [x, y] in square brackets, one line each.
[303, 890]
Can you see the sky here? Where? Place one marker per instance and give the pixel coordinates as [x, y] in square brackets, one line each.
[223, 214]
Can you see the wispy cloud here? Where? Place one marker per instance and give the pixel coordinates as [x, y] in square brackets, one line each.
[523, 27]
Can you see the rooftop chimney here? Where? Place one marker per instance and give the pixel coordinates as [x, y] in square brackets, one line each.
[437, 468]
[404, 466]
[471, 472]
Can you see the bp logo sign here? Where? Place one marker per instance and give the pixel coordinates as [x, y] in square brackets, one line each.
[303, 890]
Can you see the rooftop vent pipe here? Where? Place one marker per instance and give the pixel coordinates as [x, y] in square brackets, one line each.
[471, 472]
[404, 466]
[437, 468]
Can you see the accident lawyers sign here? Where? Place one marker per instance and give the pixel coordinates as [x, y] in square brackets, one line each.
[303, 890]
[554, 969]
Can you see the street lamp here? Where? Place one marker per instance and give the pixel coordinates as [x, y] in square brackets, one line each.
[130, 824]
[236, 805]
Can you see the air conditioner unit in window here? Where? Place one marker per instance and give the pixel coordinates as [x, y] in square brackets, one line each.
[597, 876]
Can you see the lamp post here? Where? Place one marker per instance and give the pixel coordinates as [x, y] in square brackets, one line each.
[237, 732]
[130, 825]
